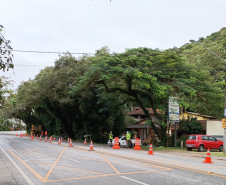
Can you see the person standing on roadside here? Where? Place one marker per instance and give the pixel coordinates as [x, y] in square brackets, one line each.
[128, 136]
[111, 138]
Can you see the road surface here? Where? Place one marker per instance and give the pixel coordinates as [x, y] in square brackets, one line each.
[34, 162]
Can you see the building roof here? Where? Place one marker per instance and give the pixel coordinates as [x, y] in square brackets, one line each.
[139, 111]
[197, 114]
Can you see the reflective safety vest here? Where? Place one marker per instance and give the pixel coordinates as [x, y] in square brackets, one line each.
[110, 136]
[128, 136]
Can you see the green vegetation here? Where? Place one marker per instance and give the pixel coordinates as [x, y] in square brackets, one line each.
[91, 94]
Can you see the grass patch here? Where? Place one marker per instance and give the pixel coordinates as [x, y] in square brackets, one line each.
[164, 148]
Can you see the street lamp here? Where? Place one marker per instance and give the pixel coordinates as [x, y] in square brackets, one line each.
[224, 147]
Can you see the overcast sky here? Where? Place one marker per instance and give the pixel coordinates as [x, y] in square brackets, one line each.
[86, 25]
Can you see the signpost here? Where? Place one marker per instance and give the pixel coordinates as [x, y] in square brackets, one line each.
[224, 123]
[174, 114]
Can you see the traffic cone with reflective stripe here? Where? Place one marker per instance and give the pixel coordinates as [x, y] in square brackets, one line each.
[61, 139]
[50, 139]
[32, 137]
[70, 145]
[37, 135]
[59, 142]
[68, 140]
[91, 146]
[20, 135]
[46, 139]
[137, 144]
[208, 157]
[16, 134]
[150, 150]
[54, 138]
[85, 142]
[40, 138]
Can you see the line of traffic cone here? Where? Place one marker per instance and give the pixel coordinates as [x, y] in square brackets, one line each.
[91, 146]
[70, 145]
[150, 150]
[208, 157]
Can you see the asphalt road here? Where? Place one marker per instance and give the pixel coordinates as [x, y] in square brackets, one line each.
[26, 161]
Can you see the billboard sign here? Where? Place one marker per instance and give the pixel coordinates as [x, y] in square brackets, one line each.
[173, 109]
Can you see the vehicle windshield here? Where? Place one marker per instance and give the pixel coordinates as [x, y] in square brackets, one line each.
[191, 137]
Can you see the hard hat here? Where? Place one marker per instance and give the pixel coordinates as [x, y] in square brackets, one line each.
[127, 131]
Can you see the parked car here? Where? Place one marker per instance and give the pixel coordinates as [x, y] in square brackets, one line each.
[202, 142]
[123, 142]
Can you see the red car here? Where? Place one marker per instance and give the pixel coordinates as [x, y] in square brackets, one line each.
[203, 142]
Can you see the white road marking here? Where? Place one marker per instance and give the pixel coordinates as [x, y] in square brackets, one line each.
[26, 144]
[22, 173]
[133, 180]
[72, 159]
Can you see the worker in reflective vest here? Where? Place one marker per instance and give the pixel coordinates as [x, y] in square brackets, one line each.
[111, 138]
[128, 136]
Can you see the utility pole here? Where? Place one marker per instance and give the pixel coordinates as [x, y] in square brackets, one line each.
[224, 145]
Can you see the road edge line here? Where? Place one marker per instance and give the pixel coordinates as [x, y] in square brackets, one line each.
[18, 168]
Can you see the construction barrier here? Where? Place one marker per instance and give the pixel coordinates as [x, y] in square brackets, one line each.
[116, 143]
[137, 144]
[208, 157]
[150, 150]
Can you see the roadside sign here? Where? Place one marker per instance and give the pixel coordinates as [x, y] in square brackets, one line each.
[224, 123]
[173, 109]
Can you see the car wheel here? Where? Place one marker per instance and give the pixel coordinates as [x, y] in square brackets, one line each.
[201, 148]
[189, 149]
[221, 148]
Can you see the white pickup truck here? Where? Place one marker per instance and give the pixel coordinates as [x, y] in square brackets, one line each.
[123, 142]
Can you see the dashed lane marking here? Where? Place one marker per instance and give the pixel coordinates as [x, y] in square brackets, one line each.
[133, 180]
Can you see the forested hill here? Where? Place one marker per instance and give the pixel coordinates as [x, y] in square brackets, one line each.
[198, 55]
[201, 58]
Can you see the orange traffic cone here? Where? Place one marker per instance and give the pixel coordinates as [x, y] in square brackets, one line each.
[40, 138]
[85, 142]
[116, 143]
[59, 142]
[50, 139]
[46, 139]
[150, 150]
[32, 137]
[20, 135]
[37, 135]
[137, 144]
[91, 146]
[68, 140]
[54, 138]
[70, 145]
[16, 134]
[208, 157]
[61, 139]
